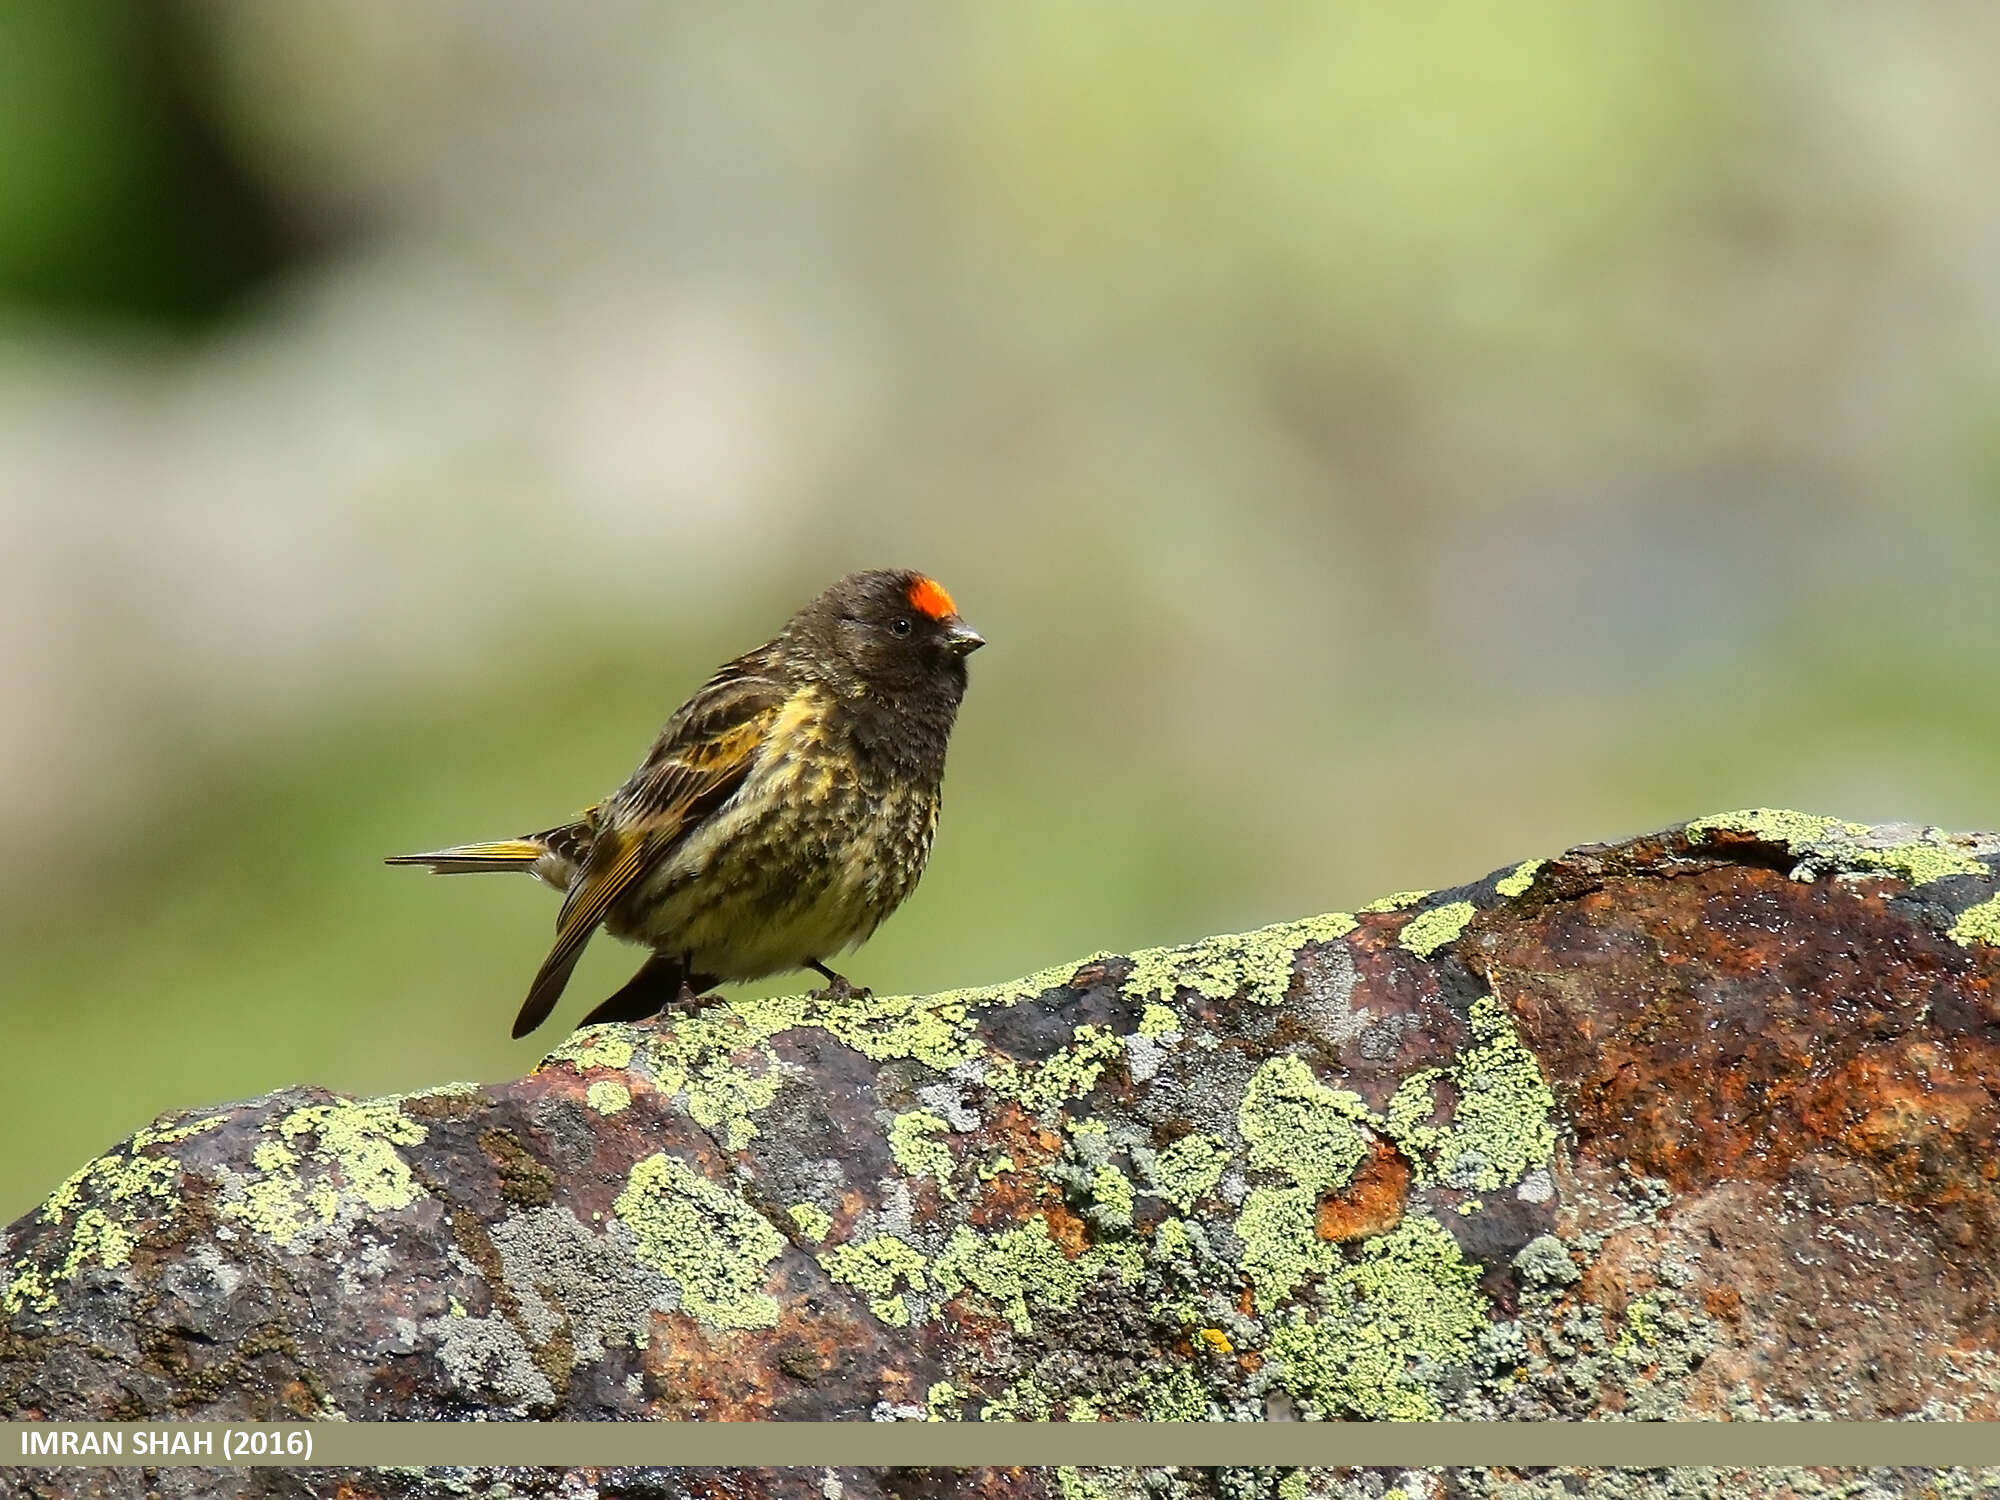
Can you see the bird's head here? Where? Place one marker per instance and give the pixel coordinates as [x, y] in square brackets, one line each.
[893, 631]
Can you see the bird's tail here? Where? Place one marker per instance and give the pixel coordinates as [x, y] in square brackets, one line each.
[477, 859]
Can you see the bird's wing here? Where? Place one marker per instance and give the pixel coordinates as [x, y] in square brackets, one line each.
[700, 759]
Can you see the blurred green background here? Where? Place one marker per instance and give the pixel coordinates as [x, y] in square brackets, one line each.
[1380, 443]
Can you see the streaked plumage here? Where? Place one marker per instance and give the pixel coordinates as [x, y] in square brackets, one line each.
[785, 810]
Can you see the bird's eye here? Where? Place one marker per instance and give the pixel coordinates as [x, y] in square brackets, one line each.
[901, 625]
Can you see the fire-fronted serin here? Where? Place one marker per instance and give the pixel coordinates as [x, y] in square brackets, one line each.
[785, 810]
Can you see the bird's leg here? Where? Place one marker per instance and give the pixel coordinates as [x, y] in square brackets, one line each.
[696, 991]
[837, 987]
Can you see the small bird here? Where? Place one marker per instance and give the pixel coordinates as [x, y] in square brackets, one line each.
[785, 810]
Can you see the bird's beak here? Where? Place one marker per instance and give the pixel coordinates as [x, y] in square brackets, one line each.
[961, 638]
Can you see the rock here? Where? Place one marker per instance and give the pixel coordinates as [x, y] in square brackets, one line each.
[1701, 1124]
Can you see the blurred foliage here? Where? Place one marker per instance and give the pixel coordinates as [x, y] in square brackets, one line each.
[1381, 443]
[119, 196]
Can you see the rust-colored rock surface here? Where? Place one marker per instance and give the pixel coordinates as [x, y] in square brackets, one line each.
[1698, 1125]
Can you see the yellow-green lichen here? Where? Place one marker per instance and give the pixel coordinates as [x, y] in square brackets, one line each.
[707, 1240]
[113, 1199]
[1171, 1240]
[1978, 924]
[873, 1267]
[1429, 931]
[159, 1133]
[360, 1140]
[935, 1030]
[273, 1156]
[600, 1046]
[1919, 861]
[1257, 965]
[352, 1161]
[27, 1287]
[1172, 1394]
[942, 1401]
[1069, 1074]
[115, 1178]
[1281, 1243]
[1111, 1189]
[1188, 1170]
[1297, 1125]
[1501, 1128]
[99, 1237]
[277, 1208]
[813, 1221]
[996, 1167]
[1834, 843]
[1773, 825]
[1641, 1331]
[1518, 882]
[1395, 901]
[1410, 1304]
[1158, 1020]
[913, 1141]
[695, 1064]
[1023, 1400]
[1021, 1266]
[608, 1096]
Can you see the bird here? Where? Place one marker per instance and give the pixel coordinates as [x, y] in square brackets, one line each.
[784, 812]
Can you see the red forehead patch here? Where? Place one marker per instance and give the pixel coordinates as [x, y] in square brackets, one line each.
[927, 596]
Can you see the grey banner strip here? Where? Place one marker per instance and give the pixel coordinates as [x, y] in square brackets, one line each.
[973, 1445]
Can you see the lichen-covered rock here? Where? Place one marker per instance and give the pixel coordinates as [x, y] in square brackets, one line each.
[1701, 1124]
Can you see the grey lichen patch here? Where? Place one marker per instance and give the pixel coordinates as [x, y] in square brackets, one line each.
[1429, 931]
[1297, 1125]
[325, 1161]
[1386, 1328]
[487, 1358]
[1824, 846]
[1545, 1261]
[569, 1281]
[1257, 965]
[1503, 1124]
[913, 1141]
[714, 1247]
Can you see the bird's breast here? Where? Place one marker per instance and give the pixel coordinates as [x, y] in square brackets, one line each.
[806, 860]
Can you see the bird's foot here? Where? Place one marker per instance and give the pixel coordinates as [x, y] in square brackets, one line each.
[691, 999]
[836, 988]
